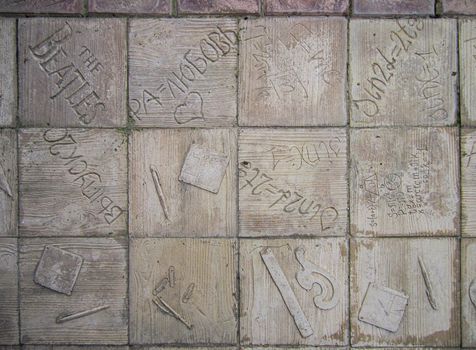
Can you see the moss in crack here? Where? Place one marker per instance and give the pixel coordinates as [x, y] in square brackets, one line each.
[84, 11]
[438, 8]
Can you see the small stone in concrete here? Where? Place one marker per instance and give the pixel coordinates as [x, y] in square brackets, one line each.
[58, 270]
[394, 7]
[275, 7]
[383, 307]
[204, 168]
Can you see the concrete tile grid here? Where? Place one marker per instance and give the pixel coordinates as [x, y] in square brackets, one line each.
[237, 174]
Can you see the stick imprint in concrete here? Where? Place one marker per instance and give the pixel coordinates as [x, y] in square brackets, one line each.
[160, 192]
[429, 287]
[169, 310]
[76, 315]
[286, 292]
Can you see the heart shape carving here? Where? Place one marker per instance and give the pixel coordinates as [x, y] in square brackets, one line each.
[190, 109]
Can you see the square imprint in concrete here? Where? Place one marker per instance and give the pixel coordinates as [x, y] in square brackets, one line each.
[293, 182]
[204, 168]
[9, 334]
[293, 71]
[315, 272]
[424, 269]
[58, 269]
[72, 182]
[160, 204]
[403, 72]
[72, 72]
[102, 282]
[404, 182]
[196, 278]
[8, 183]
[388, 312]
[468, 291]
[8, 75]
[182, 72]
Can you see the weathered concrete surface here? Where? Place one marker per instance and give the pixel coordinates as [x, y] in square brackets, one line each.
[102, 281]
[193, 80]
[72, 72]
[467, 60]
[201, 289]
[275, 7]
[403, 72]
[468, 182]
[218, 6]
[8, 75]
[468, 291]
[73, 182]
[265, 319]
[293, 182]
[404, 182]
[147, 7]
[42, 6]
[292, 72]
[461, 7]
[394, 263]
[393, 7]
[9, 334]
[8, 183]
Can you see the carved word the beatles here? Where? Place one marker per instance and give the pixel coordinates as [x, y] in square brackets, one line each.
[71, 81]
